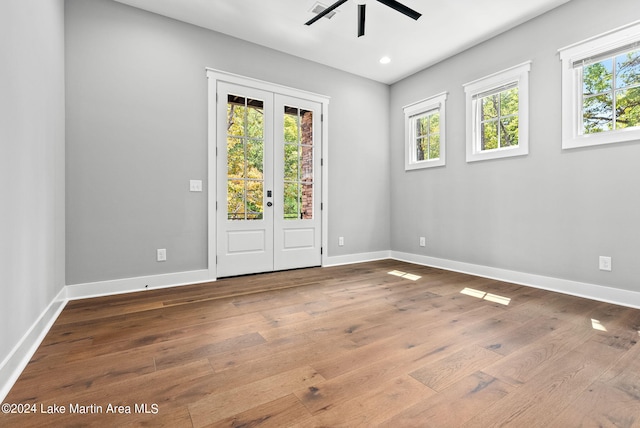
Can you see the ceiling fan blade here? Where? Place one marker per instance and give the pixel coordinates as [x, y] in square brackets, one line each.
[325, 12]
[362, 8]
[393, 4]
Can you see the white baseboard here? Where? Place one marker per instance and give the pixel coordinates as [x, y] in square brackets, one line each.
[600, 293]
[356, 258]
[20, 355]
[141, 283]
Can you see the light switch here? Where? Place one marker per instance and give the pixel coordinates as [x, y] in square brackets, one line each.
[195, 185]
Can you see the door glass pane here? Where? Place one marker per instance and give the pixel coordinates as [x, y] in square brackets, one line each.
[255, 116]
[306, 202]
[235, 199]
[298, 163]
[235, 157]
[291, 162]
[306, 167]
[255, 159]
[291, 201]
[235, 116]
[245, 158]
[254, 192]
[306, 127]
[291, 126]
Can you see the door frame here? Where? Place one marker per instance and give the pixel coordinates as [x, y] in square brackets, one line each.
[214, 76]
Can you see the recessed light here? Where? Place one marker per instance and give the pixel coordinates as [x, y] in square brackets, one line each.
[385, 60]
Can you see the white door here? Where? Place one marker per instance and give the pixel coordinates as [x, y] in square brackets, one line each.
[268, 195]
[297, 219]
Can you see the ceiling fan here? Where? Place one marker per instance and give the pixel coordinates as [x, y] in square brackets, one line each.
[393, 4]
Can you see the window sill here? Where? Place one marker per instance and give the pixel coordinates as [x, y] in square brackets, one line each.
[610, 137]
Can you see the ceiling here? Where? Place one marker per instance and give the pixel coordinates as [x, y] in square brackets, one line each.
[445, 28]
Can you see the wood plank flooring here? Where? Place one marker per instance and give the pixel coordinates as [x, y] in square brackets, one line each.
[343, 346]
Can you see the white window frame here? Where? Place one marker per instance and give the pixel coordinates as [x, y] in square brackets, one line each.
[411, 113]
[517, 75]
[572, 125]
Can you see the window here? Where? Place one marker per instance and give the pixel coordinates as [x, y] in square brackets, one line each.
[298, 163]
[498, 114]
[425, 133]
[245, 158]
[601, 89]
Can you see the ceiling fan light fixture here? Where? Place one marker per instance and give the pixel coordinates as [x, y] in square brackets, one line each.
[319, 8]
[393, 4]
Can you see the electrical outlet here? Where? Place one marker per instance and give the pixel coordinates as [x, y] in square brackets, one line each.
[195, 185]
[605, 263]
[161, 254]
[423, 241]
[340, 241]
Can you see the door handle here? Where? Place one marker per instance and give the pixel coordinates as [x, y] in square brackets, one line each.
[269, 204]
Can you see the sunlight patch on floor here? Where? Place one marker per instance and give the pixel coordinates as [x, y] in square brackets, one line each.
[405, 275]
[486, 296]
[597, 325]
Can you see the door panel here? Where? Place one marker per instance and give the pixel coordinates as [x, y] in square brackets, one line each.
[246, 241]
[299, 238]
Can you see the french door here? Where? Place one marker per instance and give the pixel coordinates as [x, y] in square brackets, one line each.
[269, 181]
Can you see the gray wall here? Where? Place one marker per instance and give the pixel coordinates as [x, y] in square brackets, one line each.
[550, 213]
[137, 133]
[31, 165]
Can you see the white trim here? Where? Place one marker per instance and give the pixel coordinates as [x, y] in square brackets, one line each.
[14, 364]
[140, 283]
[18, 358]
[419, 109]
[519, 75]
[596, 292]
[325, 182]
[212, 97]
[572, 87]
[214, 76]
[356, 258]
[606, 41]
[223, 76]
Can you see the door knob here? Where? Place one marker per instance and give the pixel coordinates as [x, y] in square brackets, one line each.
[269, 204]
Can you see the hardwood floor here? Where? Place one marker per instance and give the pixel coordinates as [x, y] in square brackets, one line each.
[341, 346]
